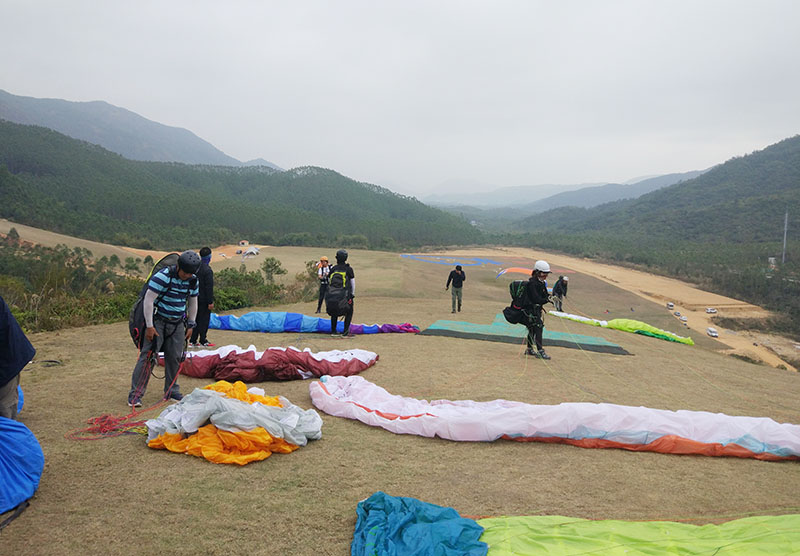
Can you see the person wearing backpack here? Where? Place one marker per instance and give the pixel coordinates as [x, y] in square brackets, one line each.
[560, 291]
[340, 294]
[323, 271]
[535, 296]
[171, 294]
[205, 300]
[457, 277]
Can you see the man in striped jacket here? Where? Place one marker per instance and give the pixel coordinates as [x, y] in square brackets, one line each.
[171, 296]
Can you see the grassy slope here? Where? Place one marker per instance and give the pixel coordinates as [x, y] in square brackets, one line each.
[118, 496]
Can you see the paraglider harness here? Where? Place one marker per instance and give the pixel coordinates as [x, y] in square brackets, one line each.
[337, 298]
[520, 311]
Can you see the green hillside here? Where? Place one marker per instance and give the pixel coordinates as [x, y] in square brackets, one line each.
[116, 129]
[57, 183]
[717, 230]
[742, 200]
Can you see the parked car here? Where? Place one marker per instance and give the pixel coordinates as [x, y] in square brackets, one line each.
[684, 319]
[711, 331]
[677, 313]
[710, 310]
[670, 305]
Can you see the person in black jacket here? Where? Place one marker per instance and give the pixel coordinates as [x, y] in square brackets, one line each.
[205, 300]
[15, 352]
[536, 296]
[341, 267]
[560, 291]
[457, 277]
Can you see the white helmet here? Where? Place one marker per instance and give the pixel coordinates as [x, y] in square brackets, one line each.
[541, 266]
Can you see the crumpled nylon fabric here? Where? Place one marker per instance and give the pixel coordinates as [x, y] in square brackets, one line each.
[239, 429]
[400, 526]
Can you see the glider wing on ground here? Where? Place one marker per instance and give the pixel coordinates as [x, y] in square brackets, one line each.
[279, 321]
[627, 325]
[588, 425]
[502, 331]
[398, 526]
[233, 363]
[226, 423]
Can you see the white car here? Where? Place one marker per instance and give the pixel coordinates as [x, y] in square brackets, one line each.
[684, 319]
[710, 310]
[711, 331]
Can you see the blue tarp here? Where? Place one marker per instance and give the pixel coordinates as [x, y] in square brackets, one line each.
[399, 526]
[21, 464]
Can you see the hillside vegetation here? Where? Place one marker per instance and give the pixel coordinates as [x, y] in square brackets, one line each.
[116, 129]
[718, 229]
[54, 182]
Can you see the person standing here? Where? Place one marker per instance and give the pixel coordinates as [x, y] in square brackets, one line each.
[16, 351]
[323, 271]
[341, 287]
[205, 300]
[536, 296]
[560, 291]
[457, 277]
[171, 295]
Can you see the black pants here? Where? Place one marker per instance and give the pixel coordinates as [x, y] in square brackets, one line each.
[535, 326]
[322, 289]
[534, 337]
[201, 330]
[348, 316]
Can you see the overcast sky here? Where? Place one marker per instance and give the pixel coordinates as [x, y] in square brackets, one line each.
[419, 96]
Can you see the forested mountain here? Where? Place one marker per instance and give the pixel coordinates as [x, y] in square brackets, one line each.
[501, 197]
[587, 197]
[57, 183]
[717, 230]
[742, 200]
[116, 129]
[506, 218]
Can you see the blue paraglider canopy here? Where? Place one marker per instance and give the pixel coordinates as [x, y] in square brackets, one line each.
[21, 464]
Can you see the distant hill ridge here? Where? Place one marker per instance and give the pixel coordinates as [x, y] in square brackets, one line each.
[741, 200]
[117, 130]
[57, 183]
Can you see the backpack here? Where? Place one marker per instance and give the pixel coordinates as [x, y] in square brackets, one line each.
[336, 297]
[514, 313]
[136, 321]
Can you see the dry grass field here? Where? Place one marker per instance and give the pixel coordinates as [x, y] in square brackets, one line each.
[117, 496]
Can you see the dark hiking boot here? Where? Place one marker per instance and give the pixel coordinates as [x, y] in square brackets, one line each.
[177, 396]
[530, 352]
[543, 355]
[134, 402]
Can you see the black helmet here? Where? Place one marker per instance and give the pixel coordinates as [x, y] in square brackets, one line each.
[189, 261]
[341, 255]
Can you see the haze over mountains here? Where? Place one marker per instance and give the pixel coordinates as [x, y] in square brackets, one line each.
[118, 130]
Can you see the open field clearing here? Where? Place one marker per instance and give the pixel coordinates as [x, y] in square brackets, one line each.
[119, 496]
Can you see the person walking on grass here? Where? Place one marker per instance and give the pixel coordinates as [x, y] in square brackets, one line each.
[536, 296]
[340, 294]
[457, 277]
[205, 300]
[323, 271]
[560, 292]
[171, 296]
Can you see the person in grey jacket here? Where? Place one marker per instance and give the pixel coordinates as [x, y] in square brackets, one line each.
[560, 291]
